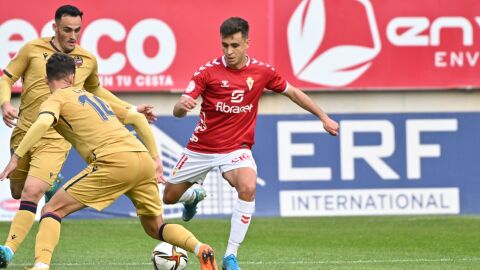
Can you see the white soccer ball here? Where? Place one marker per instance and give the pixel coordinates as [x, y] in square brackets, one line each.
[168, 257]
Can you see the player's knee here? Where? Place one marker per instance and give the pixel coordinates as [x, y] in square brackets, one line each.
[16, 194]
[169, 198]
[32, 194]
[247, 191]
[16, 191]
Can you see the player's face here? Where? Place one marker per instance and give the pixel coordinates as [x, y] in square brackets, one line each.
[235, 50]
[67, 32]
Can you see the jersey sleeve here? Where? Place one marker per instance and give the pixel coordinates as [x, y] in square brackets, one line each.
[196, 86]
[17, 66]
[92, 82]
[276, 83]
[120, 111]
[52, 106]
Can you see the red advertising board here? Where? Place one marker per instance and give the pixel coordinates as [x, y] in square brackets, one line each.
[156, 45]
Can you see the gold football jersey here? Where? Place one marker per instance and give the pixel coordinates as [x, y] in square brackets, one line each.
[91, 125]
[30, 65]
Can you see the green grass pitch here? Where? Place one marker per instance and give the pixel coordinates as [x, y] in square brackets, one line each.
[407, 242]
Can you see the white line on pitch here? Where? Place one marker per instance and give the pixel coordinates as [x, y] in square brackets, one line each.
[284, 262]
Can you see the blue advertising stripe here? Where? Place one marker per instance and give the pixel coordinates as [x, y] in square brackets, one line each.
[373, 152]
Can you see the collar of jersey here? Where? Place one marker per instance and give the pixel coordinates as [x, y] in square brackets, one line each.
[225, 63]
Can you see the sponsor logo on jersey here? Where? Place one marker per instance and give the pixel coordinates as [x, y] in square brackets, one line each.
[237, 96]
[225, 108]
[201, 126]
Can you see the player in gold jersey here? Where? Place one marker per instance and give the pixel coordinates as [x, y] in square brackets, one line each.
[39, 168]
[117, 163]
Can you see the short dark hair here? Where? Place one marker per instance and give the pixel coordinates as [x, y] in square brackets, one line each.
[59, 66]
[234, 25]
[67, 10]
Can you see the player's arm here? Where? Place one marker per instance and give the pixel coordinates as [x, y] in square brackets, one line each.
[12, 72]
[9, 112]
[188, 100]
[33, 135]
[141, 126]
[183, 106]
[304, 101]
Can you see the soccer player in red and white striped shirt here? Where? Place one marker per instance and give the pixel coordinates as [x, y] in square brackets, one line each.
[230, 87]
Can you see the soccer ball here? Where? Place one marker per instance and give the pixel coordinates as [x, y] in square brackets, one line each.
[168, 257]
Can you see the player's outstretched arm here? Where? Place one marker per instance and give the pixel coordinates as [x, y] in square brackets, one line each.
[108, 96]
[304, 101]
[34, 134]
[9, 113]
[183, 106]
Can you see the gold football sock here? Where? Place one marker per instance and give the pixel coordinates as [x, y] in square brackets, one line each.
[177, 235]
[47, 237]
[21, 225]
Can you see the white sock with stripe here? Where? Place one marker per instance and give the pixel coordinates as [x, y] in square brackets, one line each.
[241, 218]
[188, 196]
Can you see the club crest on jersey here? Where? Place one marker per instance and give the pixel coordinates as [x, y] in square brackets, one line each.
[224, 84]
[78, 61]
[45, 55]
[250, 83]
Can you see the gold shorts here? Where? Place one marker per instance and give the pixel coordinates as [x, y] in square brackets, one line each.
[111, 176]
[43, 161]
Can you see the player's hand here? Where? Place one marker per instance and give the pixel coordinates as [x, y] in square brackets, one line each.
[159, 171]
[10, 114]
[331, 126]
[11, 166]
[187, 103]
[147, 110]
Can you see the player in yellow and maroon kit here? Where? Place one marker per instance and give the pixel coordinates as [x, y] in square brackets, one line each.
[117, 163]
[39, 168]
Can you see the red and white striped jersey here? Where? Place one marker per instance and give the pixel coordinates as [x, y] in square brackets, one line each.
[230, 103]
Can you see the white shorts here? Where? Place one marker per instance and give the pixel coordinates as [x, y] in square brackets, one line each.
[193, 167]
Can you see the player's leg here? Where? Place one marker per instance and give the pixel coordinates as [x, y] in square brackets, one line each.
[146, 198]
[55, 185]
[179, 236]
[61, 205]
[25, 216]
[91, 188]
[19, 176]
[242, 175]
[173, 193]
[34, 176]
[191, 168]
[23, 220]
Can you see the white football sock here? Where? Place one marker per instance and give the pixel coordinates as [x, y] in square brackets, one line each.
[197, 248]
[188, 196]
[41, 265]
[241, 218]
